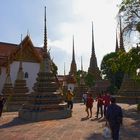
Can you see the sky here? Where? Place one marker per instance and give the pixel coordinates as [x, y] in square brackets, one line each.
[65, 18]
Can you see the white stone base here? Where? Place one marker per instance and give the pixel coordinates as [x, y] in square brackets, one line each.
[44, 115]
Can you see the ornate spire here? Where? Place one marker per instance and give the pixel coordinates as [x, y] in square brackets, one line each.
[81, 64]
[93, 50]
[121, 37]
[45, 32]
[73, 54]
[117, 47]
[45, 65]
[93, 68]
[64, 79]
[93, 61]
[20, 74]
[20, 63]
[73, 68]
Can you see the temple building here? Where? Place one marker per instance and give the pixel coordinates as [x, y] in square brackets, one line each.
[31, 58]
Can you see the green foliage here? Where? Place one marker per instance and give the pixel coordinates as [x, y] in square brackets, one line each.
[114, 65]
[112, 70]
[54, 68]
[129, 11]
[89, 80]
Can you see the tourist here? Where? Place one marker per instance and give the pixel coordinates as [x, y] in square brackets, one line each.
[85, 97]
[89, 105]
[106, 102]
[69, 97]
[99, 100]
[114, 116]
[2, 102]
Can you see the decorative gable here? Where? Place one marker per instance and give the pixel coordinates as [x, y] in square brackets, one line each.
[27, 52]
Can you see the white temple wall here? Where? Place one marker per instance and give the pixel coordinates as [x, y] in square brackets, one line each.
[31, 68]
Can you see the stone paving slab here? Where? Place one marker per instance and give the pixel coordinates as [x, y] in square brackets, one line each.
[78, 127]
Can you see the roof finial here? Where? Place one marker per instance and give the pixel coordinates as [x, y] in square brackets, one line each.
[45, 32]
[28, 33]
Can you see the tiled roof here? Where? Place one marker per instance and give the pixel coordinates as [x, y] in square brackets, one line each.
[7, 49]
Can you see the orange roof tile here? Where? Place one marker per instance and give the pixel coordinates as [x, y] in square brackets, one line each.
[7, 49]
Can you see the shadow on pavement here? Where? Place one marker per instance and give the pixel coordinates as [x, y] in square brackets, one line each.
[14, 122]
[96, 136]
[84, 119]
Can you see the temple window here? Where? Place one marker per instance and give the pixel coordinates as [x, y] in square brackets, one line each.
[26, 75]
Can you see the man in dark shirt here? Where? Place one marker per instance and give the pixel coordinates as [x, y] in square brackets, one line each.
[99, 100]
[114, 116]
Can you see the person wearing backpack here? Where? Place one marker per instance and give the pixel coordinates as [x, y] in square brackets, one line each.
[114, 117]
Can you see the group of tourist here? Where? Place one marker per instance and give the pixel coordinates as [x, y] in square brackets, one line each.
[107, 107]
[103, 101]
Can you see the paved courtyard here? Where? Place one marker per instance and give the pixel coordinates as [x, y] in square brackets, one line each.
[78, 127]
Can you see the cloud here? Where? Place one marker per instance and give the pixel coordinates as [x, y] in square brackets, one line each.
[65, 18]
[102, 13]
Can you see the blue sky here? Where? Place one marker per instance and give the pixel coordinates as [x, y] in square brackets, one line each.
[65, 18]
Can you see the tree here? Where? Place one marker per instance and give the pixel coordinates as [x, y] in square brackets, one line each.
[112, 70]
[129, 10]
[133, 61]
[79, 74]
[54, 68]
[89, 80]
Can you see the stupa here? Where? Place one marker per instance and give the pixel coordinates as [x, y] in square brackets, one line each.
[19, 96]
[93, 67]
[46, 101]
[129, 91]
[8, 90]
